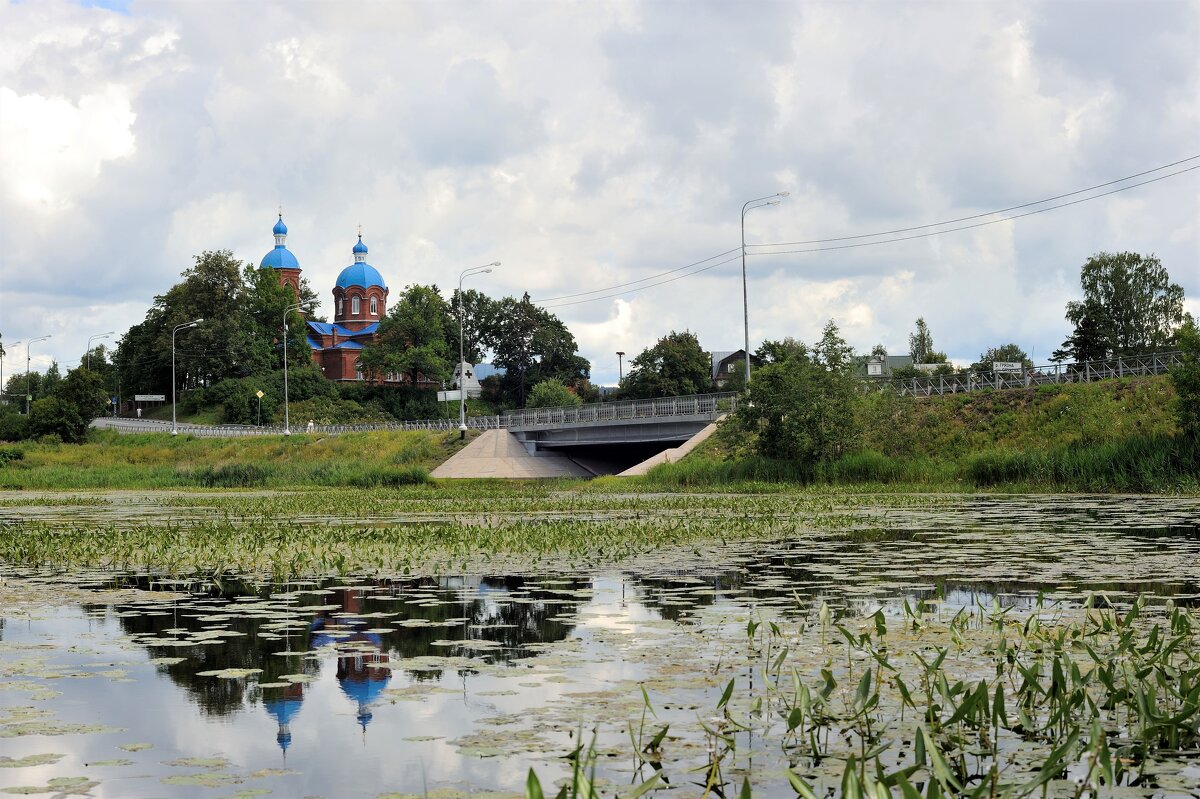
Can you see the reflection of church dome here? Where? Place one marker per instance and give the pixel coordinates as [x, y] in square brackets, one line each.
[282, 709]
[365, 689]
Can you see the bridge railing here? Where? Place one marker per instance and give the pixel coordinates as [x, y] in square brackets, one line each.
[711, 405]
[1083, 372]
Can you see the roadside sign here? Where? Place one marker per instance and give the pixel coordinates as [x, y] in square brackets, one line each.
[258, 394]
[149, 397]
[448, 396]
[1006, 366]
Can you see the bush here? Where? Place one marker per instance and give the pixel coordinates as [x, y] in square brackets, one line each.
[10, 454]
[552, 393]
[53, 416]
[13, 426]
[230, 475]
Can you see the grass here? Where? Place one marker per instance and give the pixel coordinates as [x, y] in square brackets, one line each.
[1111, 436]
[150, 460]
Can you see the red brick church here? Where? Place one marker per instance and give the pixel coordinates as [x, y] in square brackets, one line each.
[359, 300]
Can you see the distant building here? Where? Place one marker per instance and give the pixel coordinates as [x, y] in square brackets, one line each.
[884, 366]
[727, 364]
[359, 299]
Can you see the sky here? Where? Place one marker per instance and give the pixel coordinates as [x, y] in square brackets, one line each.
[587, 145]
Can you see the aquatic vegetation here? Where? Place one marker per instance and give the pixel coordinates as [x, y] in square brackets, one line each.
[526, 640]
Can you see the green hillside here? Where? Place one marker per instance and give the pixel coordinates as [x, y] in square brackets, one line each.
[1114, 435]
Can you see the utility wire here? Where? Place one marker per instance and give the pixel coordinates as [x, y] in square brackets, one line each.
[963, 227]
[997, 211]
[644, 279]
[613, 293]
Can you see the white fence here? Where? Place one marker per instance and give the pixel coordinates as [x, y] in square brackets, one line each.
[1087, 372]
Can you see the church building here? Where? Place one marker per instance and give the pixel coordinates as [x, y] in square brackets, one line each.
[359, 300]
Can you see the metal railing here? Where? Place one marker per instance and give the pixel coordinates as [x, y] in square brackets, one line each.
[1049, 374]
[710, 405]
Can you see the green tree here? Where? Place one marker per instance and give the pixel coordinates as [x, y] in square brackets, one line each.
[920, 342]
[676, 366]
[531, 345]
[1005, 353]
[1186, 378]
[801, 408]
[76, 401]
[412, 338]
[479, 316]
[551, 393]
[1129, 307]
[779, 351]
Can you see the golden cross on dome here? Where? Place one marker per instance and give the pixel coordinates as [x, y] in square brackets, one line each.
[360, 231]
[281, 210]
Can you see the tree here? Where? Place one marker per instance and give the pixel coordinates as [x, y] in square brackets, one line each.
[1005, 353]
[1186, 378]
[920, 342]
[552, 393]
[801, 408]
[675, 366]
[531, 344]
[779, 351]
[76, 401]
[1129, 306]
[879, 351]
[413, 338]
[479, 313]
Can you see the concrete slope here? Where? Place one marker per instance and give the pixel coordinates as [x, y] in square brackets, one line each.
[674, 454]
[497, 453]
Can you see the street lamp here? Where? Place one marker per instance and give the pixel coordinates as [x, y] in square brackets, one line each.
[462, 381]
[620, 366]
[176, 329]
[13, 344]
[750, 205]
[287, 419]
[28, 393]
[89, 346]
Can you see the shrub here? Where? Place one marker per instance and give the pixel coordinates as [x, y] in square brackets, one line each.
[13, 426]
[10, 454]
[552, 393]
[230, 475]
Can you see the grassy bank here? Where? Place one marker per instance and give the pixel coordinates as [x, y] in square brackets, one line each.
[153, 460]
[1111, 436]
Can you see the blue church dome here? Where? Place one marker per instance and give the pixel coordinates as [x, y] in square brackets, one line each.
[280, 257]
[360, 273]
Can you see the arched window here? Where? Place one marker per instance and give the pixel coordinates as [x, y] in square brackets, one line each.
[374, 307]
[339, 310]
[354, 307]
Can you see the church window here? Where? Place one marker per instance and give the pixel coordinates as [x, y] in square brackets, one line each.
[339, 310]
[354, 307]
[374, 307]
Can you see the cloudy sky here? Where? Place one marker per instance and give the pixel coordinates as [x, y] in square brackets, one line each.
[587, 145]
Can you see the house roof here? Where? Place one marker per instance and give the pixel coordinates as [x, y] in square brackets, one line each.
[720, 356]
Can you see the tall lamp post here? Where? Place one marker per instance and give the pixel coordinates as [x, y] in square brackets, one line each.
[620, 366]
[28, 393]
[462, 377]
[287, 418]
[750, 205]
[174, 330]
[13, 344]
[89, 346]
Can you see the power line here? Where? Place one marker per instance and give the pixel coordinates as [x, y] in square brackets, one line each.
[964, 227]
[642, 280]
[609, 292]
[997, 211]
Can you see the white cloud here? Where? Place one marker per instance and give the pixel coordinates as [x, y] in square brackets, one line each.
[588, 146]
[51, 149]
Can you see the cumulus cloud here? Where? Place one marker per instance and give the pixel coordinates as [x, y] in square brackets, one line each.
[587, 146]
